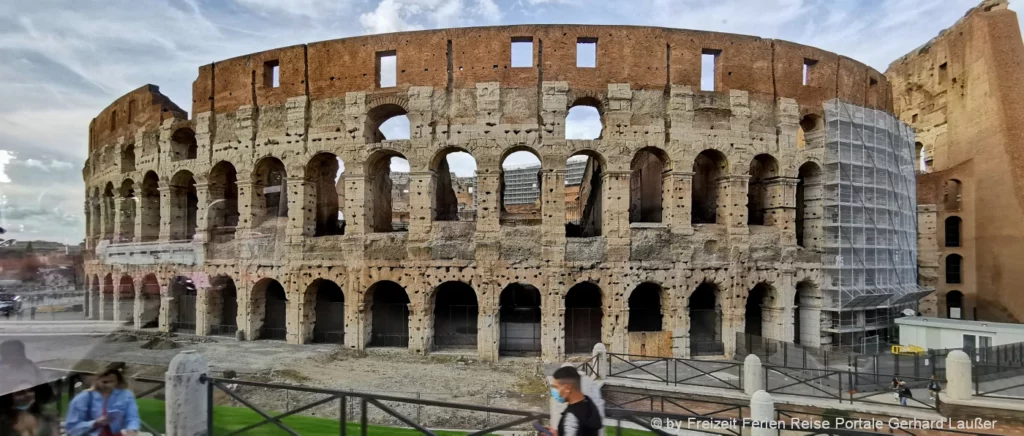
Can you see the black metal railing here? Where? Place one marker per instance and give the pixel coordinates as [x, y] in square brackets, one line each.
[223, 330]
[707, 348]
[676, 371]
[273, 333]
[997, 381]
[329, 337]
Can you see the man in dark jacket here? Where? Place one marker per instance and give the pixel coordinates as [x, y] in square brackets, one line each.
[581, 417]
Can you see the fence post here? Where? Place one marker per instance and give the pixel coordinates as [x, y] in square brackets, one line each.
[601, 353]
[958, 375]
[762, 411]
[753, 375]
[186, 394]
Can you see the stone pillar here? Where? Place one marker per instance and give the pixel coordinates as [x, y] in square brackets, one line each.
[762, 411]
[106, 215]
[203, 309]
[681, 333]
[127, 211]
[488, 213]
[601, 353]
[732, 322]
[168, 308]
[141, 207]
[97, 302]
[357, 222]
[488, 331]
[186, 395]
[301, 208]
[167, 220]
[117, 305]
[203, 215]
[245, 211]
[753, 375]
[357, 323]
[552, 208]
[552, 324]
[301, 316]
[421, 326]
[677, 193]
[615, 214]
[780, 207]
[959, 376]
[732, 208]
[140, 305]
[421, 212]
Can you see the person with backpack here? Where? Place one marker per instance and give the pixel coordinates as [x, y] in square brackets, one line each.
[904, 393]
[107, 409]
[934, 388]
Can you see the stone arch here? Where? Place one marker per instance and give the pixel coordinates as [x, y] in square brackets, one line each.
[269, 190]
[710, 169]
[387, 315]
[325, 303]
[183, 144]
[954, 305]
[807, 315]
[128, 158]
[378, 115]
[764, 168]
[646, 306]
[704, 306]
[584, 313]
[455, 311]
[646, 194]
[453, 198]
[108, 297]
[323, 172]
[151, 301]
[809, 206]
[952, 196]
[150, 202]
[125, 300]
[952, 228]
[583, 214]
[812, 131]
[269, 304]
[108, 211]
[182, 313]
[129, 206]
[520, 184]
[222, 304]
[519, 312]
[954, 268]
[184, 206]
[381, 196]
[222, 212]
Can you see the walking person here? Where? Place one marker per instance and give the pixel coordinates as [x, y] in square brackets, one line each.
[904, 393]
[934, 388]
[581, 417]
[106, 409]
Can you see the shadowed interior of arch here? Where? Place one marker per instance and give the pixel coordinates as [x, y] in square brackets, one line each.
[328, 304]
[455, 316]
[224, 310]
[389, 315]
[705, 321]
[519, 320]
[583, 200]
[583, 318]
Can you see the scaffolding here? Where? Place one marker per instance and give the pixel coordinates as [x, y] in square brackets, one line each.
[870, 224]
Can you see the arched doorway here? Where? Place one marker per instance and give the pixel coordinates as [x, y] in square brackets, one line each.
[807, 316]
[329, 312]
[270, 191]
[224, 314]
[583, 318]
[150, 201]
[151, 301]
[645, 185]
[955, 305]
[455, 316]
[222, 211]
[108, 298]
[705, 321]
[453, 181]
[389, 315]
[125, 299]
[183, 293]
[584, 179]
[386, 203]
[184, 206]
[324, 173]
[269, 295]
[646, 324]
[519, 321]
[709, 168]
[763, 169]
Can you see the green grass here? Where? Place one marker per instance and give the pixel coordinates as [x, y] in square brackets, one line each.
[228, 418]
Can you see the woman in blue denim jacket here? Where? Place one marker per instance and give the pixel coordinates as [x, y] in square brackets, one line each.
[108, 409]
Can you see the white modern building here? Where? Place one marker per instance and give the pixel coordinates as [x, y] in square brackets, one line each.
[941, 333]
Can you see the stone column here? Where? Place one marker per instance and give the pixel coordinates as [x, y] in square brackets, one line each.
[958, 375]
[488, 215]
[357, 222]
[186, 394]
[421, 212]
[203, 199]
[552, 208]
[301, 316]
[117, 304]
[140, 305]
[615, 321]
[732, 208]
[421, 325]
[357, 323]
[167, 221]
[140, 212]
[753, 374]
[106, 215]
[615, 214]
[488, 331]
[780, 207]
[245, 211]
[97, 302]
[168, 308]
[677, 194]
[203, 315]
[552, 320]
[301, 208]
[732, 322]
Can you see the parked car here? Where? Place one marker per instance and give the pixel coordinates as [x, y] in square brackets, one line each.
[10, 303]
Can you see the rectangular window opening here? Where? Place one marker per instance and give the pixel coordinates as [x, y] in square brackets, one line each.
[113, 120]
[872, 81]
[708, 69]
[131, 105]
[271, 74]
[942, 73]
[808, 66]
[522, 52]
[586, 52]
[387, 69]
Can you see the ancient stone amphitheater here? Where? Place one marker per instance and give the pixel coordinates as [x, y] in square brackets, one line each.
[700, 214]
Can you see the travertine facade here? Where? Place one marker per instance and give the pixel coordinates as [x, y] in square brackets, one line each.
[963, 92]
[687, 192]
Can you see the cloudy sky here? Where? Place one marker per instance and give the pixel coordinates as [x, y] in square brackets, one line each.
[64, 61]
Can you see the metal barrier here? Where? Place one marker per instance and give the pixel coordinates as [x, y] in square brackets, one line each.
[997, 381]
[675, 371]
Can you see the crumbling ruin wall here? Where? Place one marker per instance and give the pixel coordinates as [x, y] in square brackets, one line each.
[457, 88]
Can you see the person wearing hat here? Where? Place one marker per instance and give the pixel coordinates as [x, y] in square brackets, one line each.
[106, 409]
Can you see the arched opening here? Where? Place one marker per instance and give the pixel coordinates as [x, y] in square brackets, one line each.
[128, 158]
[583, 318]
[954, 305]
[455, 316]
[645, 185]
[328, 312]
[269, 299]
[224, 313]
[108, 298]
[151, 301]
[387, 195]
[812, 131]
[583, 121]
[709, 168]
[584, 180]
[270, 191]
[387, 122]
[454, 185]
[97, 301]
[223, 197]
[807, 316]
[125, 299]
[953, 231]
[183, 144]
[519, 312]
[89, 312]
[808, 205]
[952, 196]
[184, 206]
[108, 212]
[324, 173]
[183, 296]
[705, 321]
[954, 263]
[150, 230]
[521, 186]
[919, 155]
[389, 315]
[645, 308]
[128, 206]
[757, 319]
[95, 220]
[763, 170]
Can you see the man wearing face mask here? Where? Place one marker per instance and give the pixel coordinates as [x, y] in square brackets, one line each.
[581, 417]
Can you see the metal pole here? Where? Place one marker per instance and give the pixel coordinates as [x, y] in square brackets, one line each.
[342, 414]
[362, 417]
[209, 406]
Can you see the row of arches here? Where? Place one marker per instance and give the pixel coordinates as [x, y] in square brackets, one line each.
[454, 313]
[453, 192]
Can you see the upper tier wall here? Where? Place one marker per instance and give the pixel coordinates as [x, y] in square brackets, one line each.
[144, 107]
[643, 57]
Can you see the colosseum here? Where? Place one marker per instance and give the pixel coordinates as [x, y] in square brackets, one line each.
[739, 187]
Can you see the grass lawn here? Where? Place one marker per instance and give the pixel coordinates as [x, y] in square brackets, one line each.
[227, 419]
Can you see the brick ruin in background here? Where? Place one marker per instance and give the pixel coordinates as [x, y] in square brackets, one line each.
[696, 215]
[962, 92]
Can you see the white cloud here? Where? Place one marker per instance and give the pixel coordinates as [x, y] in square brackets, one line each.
[389, 16]
[307, 8]
[53, 165]
[5, 158]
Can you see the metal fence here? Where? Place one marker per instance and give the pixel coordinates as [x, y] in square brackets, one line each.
[582, 329]
[673, 371]
[455, 326]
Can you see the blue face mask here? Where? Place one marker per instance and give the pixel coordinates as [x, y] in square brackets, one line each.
[557, 396]
[24, 407]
